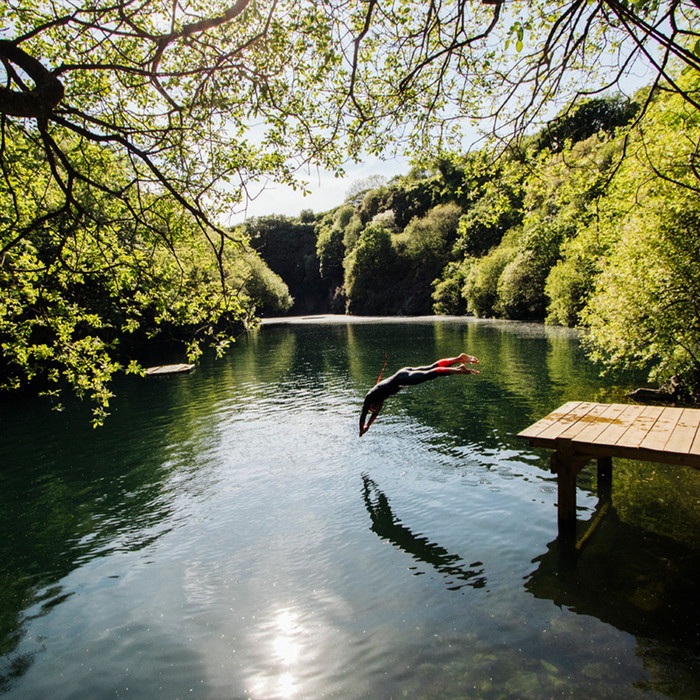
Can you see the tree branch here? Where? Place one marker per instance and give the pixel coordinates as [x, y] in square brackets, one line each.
[36, 103]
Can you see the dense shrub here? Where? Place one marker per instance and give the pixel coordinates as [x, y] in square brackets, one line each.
[520, 287]
[568, 286]
[267, 292]
[481, 285]
[330, 250]
[368, 271]
[447, 295]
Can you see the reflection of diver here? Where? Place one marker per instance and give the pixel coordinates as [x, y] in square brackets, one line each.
[408, 376]
[386, 525]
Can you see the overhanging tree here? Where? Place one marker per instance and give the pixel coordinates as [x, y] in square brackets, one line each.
[125, 128]
[205, 98]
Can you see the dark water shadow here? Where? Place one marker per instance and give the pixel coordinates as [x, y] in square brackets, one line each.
[73, 495]
[389, 527]
[639, 582]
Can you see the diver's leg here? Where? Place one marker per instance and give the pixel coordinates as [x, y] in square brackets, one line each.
[462, 359]
[410, 376]
[446, 362]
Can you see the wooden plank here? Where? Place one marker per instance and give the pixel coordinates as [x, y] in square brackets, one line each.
[661, 431]
[634, 435]
[553, 431]
[580, 431]
[536, 428]
[169, 369]
[695, 447]
[592, 419]
[608, 417]
[619, 431]
[681, 440]
[617, 428]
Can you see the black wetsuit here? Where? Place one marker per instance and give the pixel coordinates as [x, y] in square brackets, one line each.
[408, 376]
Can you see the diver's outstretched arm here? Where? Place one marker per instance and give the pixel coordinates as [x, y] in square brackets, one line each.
[364, 427]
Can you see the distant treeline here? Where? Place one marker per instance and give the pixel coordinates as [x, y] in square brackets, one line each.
[592, 222]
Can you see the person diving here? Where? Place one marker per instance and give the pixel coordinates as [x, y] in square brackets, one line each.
[408, 376]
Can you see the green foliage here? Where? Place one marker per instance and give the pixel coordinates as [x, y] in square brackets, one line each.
[483, 226]
[644, 311]
[260, 288]
[342, 216]
[567, 288]
[81, 295]
[360, 188]
[122, 132]
[448, 299]
[481, 285]
[289, 247]
[71, 289]
[411, 198]
[428, 241]
[644, 308]
[585, 119]
[331, 252]
[520, 223]
[352, 231]
[495, 193]
[372, 203]
[423, 249]
[491, 247]
[368, 272]
[124, 129]
[520, 287]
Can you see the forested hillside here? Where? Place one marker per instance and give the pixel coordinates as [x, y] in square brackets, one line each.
[592, 222]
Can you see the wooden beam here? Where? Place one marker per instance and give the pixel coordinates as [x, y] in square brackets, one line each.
[604, 480]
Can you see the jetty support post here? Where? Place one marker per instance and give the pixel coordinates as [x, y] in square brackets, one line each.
[567, 464]
[605, 478]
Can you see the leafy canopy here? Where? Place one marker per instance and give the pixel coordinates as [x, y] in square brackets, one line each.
[205, 100]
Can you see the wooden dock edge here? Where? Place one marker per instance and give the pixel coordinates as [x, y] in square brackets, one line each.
[581, 431]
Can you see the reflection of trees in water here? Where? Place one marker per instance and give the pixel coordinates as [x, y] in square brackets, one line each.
[388, 526]
[641, 583]
[72, 494]
[68, 517]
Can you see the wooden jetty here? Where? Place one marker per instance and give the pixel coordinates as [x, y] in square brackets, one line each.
[169, 369]
[580, 431]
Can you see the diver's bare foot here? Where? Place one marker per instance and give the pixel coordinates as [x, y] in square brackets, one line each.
[463, 369]
[468, 359]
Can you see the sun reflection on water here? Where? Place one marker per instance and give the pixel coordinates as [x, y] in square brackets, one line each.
[285, 644]
[283, 639]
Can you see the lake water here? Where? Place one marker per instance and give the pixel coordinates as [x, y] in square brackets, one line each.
[227, 535]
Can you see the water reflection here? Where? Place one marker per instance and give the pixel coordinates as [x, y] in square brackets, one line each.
[389, 527]
[284, 636]
[640, 583]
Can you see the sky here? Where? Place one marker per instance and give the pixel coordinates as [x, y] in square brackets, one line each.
[326, 191]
